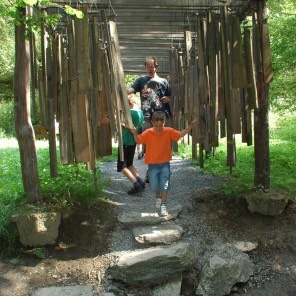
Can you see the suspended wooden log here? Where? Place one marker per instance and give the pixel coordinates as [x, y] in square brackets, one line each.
[65, 127]
[213, 79]
[118, 69]
[203, 88]
[99, 111]
[174, 100]
[51, 102]
[225, 58]
[195, 104]
[187, 94]
[181, 85]
[236, 109]
[107, 122]
[43, 78]
[82, 53]
[233, 55]
[115, 90]
[246, 119]
[238, 65]
[77, 103]
[251, 89]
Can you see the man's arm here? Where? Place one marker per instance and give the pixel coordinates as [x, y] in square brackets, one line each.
[188, 128]
[130, 91]
[166, 99]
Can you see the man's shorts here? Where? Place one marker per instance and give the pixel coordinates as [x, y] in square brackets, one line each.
[129, 153]
[159, 177]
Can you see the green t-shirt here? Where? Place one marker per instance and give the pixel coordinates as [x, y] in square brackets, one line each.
[137, 118]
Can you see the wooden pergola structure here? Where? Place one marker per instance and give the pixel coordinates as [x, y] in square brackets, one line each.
[215, 53]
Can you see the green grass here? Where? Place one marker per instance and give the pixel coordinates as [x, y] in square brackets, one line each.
[282, 160]
[73, 186]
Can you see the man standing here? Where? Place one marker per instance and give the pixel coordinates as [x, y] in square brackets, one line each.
[154, 91]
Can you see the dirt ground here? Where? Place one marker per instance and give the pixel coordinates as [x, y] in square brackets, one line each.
[81, 257]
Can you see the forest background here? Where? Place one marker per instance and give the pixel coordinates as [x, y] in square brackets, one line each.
[67, 188]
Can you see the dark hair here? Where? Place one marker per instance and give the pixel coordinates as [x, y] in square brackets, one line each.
[158, 115]
[154, 60]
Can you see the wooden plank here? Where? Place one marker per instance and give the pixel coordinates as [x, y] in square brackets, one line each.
[82, 52]
[43, 77]
[213, 79]
[118, 70]
[65, 127]
[77, 103]
[51, 99]
[246, 119]
[78, 114]
[201, 82]
[236, 109]
[252, 96]
[115, 95]
[238, 66]
[225, 57]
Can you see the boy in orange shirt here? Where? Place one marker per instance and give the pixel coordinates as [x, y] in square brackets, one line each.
[159, 154]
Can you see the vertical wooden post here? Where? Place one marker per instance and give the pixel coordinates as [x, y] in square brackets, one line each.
[23, 125]
[261, 123]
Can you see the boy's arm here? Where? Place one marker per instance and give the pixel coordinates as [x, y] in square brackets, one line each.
[134, 132]
[188, 128]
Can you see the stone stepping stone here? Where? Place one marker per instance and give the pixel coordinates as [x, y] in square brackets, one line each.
[134, 219]
[158, 234]
[65, 291]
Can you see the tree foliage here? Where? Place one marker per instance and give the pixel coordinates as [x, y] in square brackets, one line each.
[6, 44]
[282, 22]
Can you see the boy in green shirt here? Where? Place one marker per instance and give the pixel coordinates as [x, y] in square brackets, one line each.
[129, 147]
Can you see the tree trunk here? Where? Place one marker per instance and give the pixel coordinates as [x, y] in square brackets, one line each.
[261, 139]
[23, 125]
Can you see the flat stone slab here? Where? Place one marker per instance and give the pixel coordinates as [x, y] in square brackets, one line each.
[158, 234]
[134, 219]
[64, 291]
[153, 265]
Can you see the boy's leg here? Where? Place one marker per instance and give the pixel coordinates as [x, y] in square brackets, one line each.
[136, 175]
[157, 199]
[165, 187]
[129, 153]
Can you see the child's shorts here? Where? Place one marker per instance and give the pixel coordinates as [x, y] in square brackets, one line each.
[159, 177]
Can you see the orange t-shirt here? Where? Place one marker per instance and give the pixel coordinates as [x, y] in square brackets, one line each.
[158, 145]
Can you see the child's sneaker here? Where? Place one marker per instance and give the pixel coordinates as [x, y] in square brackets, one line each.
[158, 203]
[163, 210]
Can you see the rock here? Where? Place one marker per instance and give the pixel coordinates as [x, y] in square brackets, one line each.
[38, 228]
[153, 265]
[267, 203]
[159, 234]
[220, 274]
[171, 287]
[245, 246]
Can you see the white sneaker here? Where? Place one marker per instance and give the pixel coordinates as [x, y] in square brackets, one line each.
[157, 202]
[163, 210]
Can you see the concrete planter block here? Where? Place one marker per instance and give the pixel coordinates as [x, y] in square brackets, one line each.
[38, 228]
[267, 203]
